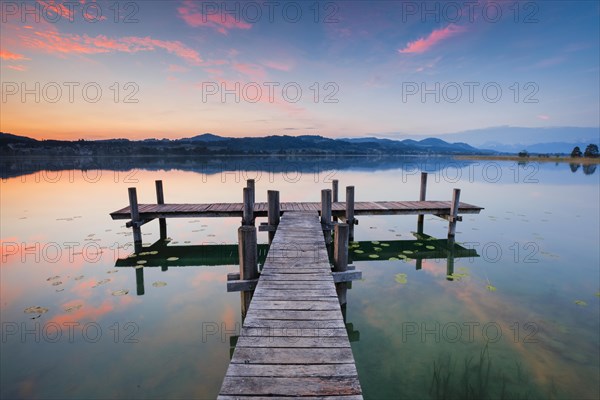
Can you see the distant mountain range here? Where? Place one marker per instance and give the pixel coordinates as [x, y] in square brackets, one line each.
[210, 144]
[510, 139]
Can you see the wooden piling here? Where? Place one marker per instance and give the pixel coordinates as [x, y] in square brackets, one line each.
[334, 194]
[350, 211]
[250, 184]
[274, 211]
[248, 212]
[160, 199]
[340, 258]
[135, 220]
[326, 214]
[422, 195]
[248, 256]
[453, 213]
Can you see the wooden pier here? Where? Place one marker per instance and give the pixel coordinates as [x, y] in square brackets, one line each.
[293, 340]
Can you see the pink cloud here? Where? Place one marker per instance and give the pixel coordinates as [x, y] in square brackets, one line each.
[68, 43]
[255, 72]
[7, 55]
[278, 65]
[17, 67]
[423, 44]
[217, 20]
[177, 68]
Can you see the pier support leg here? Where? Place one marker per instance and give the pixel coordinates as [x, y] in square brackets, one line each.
[247, 251]
[160, 199]
[326, 214]
[350, 211]
[422, 196]
[274, 211]
[334, 194]
[139, 281]
[450, 259]
[453, 214]
[135, 219]
[250, 184]
[248, 213]
[340, 258]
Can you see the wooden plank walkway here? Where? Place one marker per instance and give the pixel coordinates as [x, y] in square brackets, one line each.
[151, 211]
[293, 342]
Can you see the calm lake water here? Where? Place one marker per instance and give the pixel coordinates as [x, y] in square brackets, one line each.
[519, 321]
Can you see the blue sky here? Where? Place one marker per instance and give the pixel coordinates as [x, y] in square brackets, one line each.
[338, 69]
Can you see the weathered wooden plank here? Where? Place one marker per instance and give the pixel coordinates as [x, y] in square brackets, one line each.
[250, 397]
[286, 355]
[251, 322]
[318, 331]
[285, 315]
[294, 370]
[292, 341]
[307, 386]
[320, 304]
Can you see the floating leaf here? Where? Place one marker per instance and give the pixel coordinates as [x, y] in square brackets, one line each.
[132, 255]
[377, 248]
[491, 288]
[153, 252]
[102, 282]
[77, 278]
[401, 278]
[141, 262]
[393, 259]
[159, 284]
[408, 251]
[73, 308]
[402, 256]
[375, 242]
[384, 245]
[430, 247]
[56, 283]
[53, 278]
[59, 290]
[359, 251]
[138, 266]
[418, 244]
[580, 303]
[145, 253]
[121, 292]
[112, 271]
[373, 256]
[35, 310]
[597, 294]
[172, 258]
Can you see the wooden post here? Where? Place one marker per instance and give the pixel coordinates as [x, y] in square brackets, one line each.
[350, 211]
[340, 258]
[453, 213]
[248, 213]
[139, 281]
[334, 194]
[160, 199]
[135, 220]
[326, 214]
[251, 185]
[247, 251]
[422, 196]
[274, 211]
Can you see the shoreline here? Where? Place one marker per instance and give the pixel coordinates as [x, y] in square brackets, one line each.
[561, 159]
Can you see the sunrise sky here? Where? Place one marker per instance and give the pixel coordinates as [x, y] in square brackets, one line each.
[143, 69]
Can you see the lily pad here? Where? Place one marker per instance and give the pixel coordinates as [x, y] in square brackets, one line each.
[430, 247]
[172, 258]
[141, 262]
[73, 308]
[153, 252]
[53, 278]
[138, 266]
[373, 256]
[377, 248]
[580, 303]
[112, 271]
[102, 282]
[375, 242]
[407, 251]
[78, 278]
[491, 288]
[56, 283]
[393, 259]
[121, 292]
[36, 310]
[159, 284]
[359, 251]
[418, 244]
[385, 245]
[401, 278]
